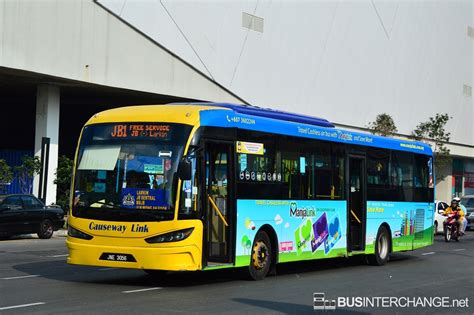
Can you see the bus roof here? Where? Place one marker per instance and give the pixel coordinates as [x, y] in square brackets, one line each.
[271, 121]
[185, 114]
[269, 113]
[254, 118]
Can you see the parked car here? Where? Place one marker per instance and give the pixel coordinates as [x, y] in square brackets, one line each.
[439, 218]
[25, 214]
[468, 202]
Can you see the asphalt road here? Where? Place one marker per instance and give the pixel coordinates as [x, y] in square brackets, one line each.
[34, 278]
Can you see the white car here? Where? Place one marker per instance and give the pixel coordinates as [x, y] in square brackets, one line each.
[439, 218]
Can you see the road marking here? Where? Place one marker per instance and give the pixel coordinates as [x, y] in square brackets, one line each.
[56, 256]
[458, 249]
[20, 277]
[21, 305]
[143, 290]
[429, 253]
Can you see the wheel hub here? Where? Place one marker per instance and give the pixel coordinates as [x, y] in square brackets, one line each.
[260, 255]
[383, 246]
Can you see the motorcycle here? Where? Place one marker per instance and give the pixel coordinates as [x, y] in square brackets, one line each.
[451, 230]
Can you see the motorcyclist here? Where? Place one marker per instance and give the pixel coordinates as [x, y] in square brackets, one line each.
[463, 208]
[456, 209]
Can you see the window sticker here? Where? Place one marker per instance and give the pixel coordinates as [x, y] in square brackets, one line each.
[249, 148]
[99, 187]
[187, 202]
[243, 162]
[143, 198]
[153, 168]
[99, 157]
[302, 164]
[101, 174]
[89, 187]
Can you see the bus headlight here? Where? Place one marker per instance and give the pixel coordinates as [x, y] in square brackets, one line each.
[171, 236]
[78, 234]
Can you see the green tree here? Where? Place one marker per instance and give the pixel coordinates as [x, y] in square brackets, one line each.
[246, 243]
[383, 125]
[63, 181]
[6, 174]
[434, 133]
[31, 166]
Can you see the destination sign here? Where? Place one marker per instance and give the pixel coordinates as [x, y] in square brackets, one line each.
[131, 131]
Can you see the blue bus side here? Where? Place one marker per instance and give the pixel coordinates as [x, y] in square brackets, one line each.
[230, 119]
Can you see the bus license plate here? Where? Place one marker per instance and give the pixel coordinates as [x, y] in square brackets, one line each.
[117, 257]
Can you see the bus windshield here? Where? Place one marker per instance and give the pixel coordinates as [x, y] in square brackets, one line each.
[127, 171]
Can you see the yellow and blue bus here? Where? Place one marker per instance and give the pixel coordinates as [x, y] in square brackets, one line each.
[203, 186]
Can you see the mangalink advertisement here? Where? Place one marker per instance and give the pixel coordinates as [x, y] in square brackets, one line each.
[306, 229]
[310, 229]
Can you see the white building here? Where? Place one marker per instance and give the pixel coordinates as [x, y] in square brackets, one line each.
[346, 61]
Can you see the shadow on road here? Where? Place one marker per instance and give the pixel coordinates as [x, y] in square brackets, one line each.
[288, 308]
[59, 270]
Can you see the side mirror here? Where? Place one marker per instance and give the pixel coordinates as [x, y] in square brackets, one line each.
[185, 169]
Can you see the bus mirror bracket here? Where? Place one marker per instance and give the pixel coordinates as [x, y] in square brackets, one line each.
[185, 169]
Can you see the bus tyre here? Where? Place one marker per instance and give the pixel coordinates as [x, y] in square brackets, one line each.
[45, 229]
[261, 256]
[382, 248]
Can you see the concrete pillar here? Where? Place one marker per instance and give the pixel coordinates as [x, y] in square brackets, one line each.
[444, 188]
[47, 125]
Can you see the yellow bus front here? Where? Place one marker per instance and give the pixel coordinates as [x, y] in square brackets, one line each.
[123, 209]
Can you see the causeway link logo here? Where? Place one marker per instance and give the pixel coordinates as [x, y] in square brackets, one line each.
[143, 228]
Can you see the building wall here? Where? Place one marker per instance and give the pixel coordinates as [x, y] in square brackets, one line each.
[468, 177]
[346, 61]
[81, 41]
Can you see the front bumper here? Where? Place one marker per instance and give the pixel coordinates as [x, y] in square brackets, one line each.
[179, 258]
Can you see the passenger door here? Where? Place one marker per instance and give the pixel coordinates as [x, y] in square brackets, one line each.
[218, 201]
[34, 212]
[11, 215]
[357, 203]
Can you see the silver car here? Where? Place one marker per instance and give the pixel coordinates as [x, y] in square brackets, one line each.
[468, 202]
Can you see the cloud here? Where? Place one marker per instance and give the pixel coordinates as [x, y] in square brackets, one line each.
[278, 219]
[287, 225]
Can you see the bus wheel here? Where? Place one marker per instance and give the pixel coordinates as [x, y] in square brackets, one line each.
[382, 248]
[45, 229]
[261, 259]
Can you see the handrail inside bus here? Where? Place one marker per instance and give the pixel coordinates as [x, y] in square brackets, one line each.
[358, 220]
[214, 206]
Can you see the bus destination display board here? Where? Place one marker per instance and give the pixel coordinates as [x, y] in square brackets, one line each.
[138, 130]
